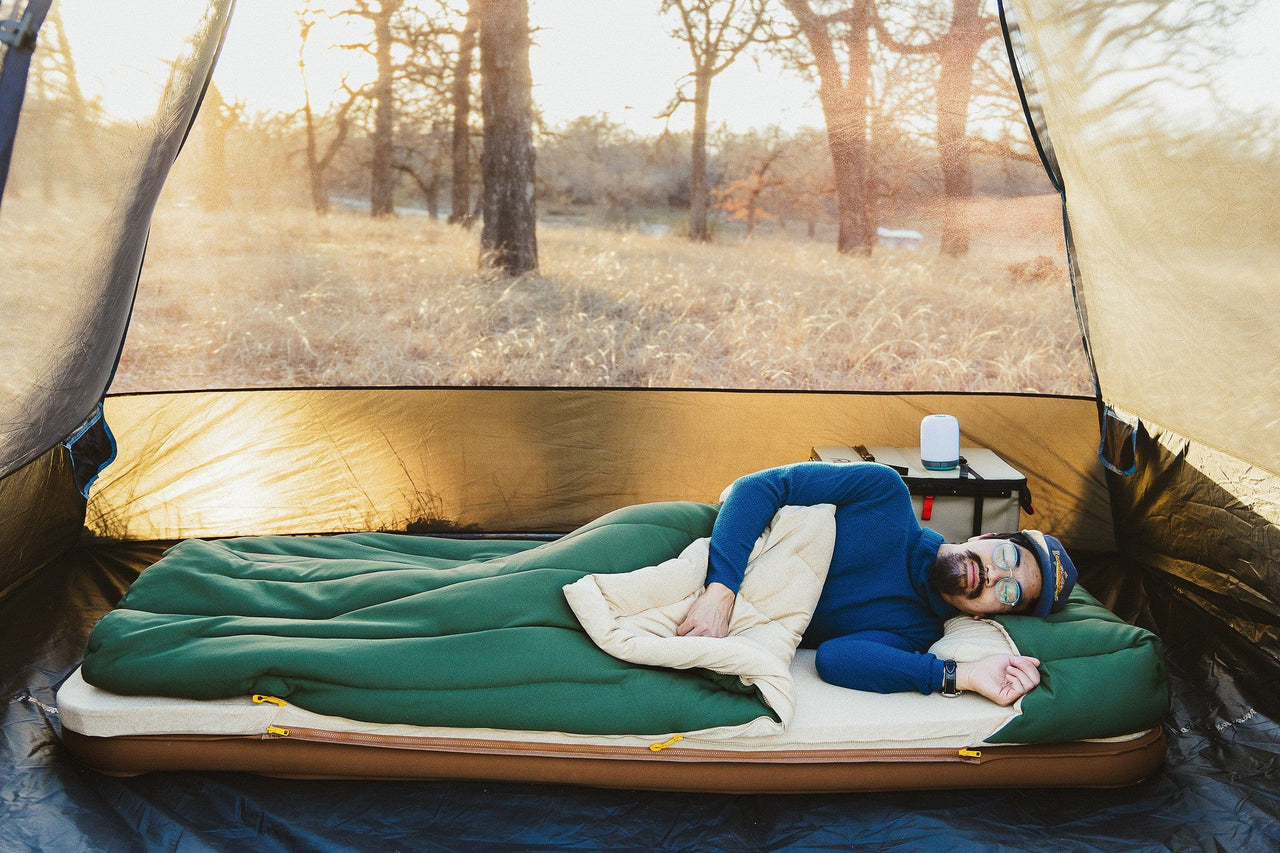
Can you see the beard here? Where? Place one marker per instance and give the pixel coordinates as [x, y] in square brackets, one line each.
[949, 574]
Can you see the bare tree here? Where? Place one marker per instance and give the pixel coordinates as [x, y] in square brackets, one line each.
[753, 161]
[957, 51]
[318, 162]
[595, 162]
[56, 99]
[903, 164]
[424, 94]
[460, 211]
[217, 119]
[382, 173]
[422, 154]
[716, 31]
[808, 185]
[843, 90]
[401, 110]
[508, 239]
[60, 50]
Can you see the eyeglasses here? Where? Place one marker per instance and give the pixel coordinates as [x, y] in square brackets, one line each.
[1008, 590]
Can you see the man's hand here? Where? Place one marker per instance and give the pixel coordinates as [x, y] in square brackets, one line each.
[709, 615]
[1004, 679]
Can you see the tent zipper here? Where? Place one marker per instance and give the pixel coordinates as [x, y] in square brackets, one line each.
[664, 752]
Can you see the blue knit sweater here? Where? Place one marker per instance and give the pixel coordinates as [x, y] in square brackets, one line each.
[877, 614]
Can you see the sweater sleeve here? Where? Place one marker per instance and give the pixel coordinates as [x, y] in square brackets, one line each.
[878, 662]
[753, 500]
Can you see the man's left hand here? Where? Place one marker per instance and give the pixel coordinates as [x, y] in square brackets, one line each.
[709, 615]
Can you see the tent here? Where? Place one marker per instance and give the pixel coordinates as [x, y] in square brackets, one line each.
[1156, 123]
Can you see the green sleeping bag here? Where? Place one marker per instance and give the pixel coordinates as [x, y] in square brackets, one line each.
[401, 629]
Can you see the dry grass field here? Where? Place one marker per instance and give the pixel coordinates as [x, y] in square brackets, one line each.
[290, 299]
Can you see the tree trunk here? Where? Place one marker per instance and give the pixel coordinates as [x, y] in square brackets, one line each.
[382, 179]
[508, 239]
[432, 194]
[315, 166]
[213, 174]
[84, 124]
[698, 193]
[844, 105]
[752, 215]
[75, 106]
[955, 89]
[319, 192]
[460, 212]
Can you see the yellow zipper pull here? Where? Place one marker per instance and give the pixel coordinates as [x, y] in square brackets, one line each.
[277, 731]
[970, 753]
[259, 699]
[658, 747]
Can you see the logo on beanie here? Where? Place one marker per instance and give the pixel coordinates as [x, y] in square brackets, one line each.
[1059, 580]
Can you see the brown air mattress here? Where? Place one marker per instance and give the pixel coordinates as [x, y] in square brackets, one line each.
[840, 740]
[330, 755]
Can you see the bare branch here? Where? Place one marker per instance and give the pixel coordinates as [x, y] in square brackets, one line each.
[934, 46]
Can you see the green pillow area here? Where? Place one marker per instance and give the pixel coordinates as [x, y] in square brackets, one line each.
[1099, 676]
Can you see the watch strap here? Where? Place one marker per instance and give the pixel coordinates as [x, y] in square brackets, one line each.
[949, 679]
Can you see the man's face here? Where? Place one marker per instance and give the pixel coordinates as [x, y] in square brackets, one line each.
[966, 574]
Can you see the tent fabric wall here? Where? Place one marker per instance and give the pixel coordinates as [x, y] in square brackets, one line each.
[41, 517]
[1158, 123]
[77, 250]
[1207, 526]
[1160, 119]
[495, 459]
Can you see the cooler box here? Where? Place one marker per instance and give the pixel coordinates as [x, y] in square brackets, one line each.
[984, 495]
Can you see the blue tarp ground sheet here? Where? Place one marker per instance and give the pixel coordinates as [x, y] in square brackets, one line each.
[1219, 790]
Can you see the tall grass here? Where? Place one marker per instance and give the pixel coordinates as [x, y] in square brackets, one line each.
[286, 299]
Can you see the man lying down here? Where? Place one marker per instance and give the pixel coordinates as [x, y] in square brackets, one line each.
[891, 584]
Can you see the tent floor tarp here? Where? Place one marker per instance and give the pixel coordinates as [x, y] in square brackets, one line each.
[1219, 786]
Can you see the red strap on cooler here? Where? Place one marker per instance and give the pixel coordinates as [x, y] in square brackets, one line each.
[926, 511]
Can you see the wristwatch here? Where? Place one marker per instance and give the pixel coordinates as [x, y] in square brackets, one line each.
[949, 679]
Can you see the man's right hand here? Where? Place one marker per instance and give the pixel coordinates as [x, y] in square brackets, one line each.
[709, 615]
[1004, 679]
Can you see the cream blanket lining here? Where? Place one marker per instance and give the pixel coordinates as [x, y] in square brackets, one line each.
[634, 616]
